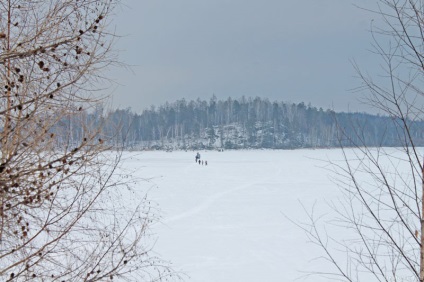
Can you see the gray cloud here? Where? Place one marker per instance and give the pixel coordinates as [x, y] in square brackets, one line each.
[284, 50]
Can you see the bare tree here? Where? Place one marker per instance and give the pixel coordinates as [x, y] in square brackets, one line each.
[384, 187]
[383, 207]
[59, 215]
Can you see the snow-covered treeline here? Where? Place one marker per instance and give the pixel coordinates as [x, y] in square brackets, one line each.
[245, 123]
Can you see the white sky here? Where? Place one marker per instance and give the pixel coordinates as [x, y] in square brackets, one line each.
[296, 51]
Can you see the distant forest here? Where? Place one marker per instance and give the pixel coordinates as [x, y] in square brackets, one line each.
[245, 123]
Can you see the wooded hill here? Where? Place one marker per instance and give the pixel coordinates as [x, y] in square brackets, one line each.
[247, 123]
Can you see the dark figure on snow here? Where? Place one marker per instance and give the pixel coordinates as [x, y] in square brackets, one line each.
[199, 162]
[197, 157]
[202, 162]
[206, 162]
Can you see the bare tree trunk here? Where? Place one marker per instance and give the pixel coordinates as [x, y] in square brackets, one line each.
[422, 228]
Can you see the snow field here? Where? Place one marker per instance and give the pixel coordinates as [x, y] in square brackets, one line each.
[230, 220]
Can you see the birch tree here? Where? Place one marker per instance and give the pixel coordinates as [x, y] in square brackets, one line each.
[59, 215]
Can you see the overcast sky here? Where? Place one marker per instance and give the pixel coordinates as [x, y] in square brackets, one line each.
[293, 51]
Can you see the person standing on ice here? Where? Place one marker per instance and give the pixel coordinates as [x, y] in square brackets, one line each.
[197, 157]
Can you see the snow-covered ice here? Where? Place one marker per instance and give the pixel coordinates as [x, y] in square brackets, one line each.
[229, 221]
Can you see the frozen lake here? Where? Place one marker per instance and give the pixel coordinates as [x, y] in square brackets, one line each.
[227, 221]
